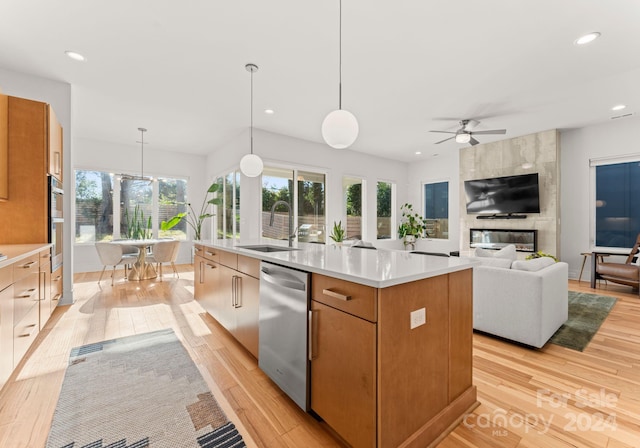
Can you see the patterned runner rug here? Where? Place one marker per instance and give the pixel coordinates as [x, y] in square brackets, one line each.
[136, 392]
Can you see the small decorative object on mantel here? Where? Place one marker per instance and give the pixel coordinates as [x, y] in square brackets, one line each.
[540, 254]
[338, 233]
[412, 226]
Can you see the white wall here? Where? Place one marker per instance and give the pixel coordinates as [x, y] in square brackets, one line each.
[125, 159]
[59, 95]
[444, 167]
[615, 138]
[284, 151]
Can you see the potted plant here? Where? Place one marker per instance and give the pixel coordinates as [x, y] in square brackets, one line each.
[195, 220]
[412, 225]
[338, 232]
[137, 227]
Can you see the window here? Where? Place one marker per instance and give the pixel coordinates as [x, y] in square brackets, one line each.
[172, 199]
[384, 207]
[228, 215]
[308, 195]
[94, 206]
[436, 210]
[353, 199]
[140, 206]
[277, 185]
[617, 195]
[311, 206]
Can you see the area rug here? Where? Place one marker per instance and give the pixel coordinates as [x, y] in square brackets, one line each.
[586, 314]
[136, 392]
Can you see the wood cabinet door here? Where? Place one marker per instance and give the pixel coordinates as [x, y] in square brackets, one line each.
[56, 287]
[205, 279]
[247, 291]
[223, 301]
[4, 147]
[6, 331]
[55, 146]
[343, 373]
[45, 290]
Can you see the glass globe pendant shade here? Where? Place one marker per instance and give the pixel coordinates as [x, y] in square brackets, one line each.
[340, 129]
[251, 165]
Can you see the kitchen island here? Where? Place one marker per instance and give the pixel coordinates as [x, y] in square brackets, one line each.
[390, 333]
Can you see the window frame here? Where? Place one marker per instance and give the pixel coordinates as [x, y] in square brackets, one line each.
[423, 204]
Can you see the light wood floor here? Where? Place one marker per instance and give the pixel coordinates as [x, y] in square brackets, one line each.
[553, 397]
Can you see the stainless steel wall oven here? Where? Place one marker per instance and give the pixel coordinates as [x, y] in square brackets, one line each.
[56, 221]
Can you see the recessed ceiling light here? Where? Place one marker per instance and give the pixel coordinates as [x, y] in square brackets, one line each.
[75, 56]
[618, 107]
[418, 153]
[269, 111]
[582, 40]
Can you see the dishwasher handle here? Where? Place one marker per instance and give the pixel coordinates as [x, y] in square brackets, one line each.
[282, 279]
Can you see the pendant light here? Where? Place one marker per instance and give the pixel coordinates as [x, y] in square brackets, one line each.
[251, 165]
[340, 127]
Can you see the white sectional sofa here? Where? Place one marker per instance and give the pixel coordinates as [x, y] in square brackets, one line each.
[524, 301]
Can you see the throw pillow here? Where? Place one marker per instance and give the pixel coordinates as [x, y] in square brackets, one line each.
[494, 262]
[508, 252]
[533, 265]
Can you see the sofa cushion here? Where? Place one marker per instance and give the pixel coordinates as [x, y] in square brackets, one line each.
[508, 252]
[533, 265]
[494, 262]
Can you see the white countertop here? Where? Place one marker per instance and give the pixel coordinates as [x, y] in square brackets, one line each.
[377, 268]
[17, 252]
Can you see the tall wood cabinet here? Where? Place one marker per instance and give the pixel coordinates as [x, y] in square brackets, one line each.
[4, 147]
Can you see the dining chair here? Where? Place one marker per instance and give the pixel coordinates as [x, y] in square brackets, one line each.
[165, 252]
[112, 255]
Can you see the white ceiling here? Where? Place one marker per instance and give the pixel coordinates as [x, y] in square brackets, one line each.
[177, 67]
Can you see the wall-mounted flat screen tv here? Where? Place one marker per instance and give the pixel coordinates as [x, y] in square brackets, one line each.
[499, 195]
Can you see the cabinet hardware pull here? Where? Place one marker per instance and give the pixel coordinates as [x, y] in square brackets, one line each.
[28, 265]
[46, 256]
[57, 279]
[335, 295]
[313, 316]
[238, 291]
[233, 291]
[211, 266]
[28, 293]
[56, 298]
[197, 249]
[26, 335]
[213, 254]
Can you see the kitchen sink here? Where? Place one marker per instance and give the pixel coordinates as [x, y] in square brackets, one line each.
[267, 248]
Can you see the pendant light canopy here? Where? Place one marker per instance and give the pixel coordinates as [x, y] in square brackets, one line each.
[340, 128]
[251, 165]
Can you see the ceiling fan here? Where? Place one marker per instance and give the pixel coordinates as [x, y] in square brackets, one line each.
[465, 133]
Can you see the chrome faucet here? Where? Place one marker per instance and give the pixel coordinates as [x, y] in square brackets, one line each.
[292, 234]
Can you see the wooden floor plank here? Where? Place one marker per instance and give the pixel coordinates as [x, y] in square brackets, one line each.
[520, 389]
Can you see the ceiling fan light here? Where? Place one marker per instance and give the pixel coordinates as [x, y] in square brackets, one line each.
[251, 165]
[340, 129]
[463, 137]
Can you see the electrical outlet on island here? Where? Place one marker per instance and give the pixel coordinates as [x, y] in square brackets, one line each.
[418, 318]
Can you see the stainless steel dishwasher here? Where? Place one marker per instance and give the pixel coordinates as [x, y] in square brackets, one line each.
[284, 304]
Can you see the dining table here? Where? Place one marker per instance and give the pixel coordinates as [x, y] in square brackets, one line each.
[141, 269]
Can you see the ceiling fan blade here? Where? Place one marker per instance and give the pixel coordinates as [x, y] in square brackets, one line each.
[473, 141]
[494, 131]
[442, 141]
[444, 132]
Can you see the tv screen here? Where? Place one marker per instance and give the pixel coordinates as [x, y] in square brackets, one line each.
[509, 194]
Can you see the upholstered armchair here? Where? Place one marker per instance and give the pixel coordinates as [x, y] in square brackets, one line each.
[627, 273]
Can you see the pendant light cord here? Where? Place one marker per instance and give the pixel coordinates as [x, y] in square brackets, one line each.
[251, 110]
[142, 131]
[340, 57]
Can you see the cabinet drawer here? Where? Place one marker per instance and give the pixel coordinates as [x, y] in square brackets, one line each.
[352, 298]
[228, 259]
[249, 265]
[56, 287]
[211, 254]
[26, 295]
[24, 267]
[45, 256]
[24, 334]
[6, 277]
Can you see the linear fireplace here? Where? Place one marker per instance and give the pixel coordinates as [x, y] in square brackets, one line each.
[524, 240]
